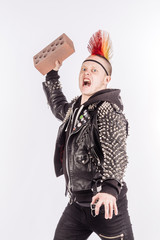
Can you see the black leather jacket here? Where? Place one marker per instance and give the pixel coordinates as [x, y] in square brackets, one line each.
[91, 142]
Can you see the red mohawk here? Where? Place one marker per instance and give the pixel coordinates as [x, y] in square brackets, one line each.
[100, 44]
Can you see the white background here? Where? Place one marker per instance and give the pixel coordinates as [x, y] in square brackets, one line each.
[31, 197]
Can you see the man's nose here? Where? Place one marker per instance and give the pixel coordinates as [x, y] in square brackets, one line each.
[87, 72]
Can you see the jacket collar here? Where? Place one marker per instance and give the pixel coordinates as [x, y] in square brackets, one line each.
[111, 95]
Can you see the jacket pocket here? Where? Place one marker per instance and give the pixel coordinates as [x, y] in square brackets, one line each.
[117, 237]
[85, 161]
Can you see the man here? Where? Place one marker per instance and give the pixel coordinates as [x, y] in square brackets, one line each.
[91, 149]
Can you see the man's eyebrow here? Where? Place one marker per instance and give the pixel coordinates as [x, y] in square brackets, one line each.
[86, 66]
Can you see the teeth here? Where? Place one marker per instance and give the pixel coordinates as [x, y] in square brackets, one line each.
[86, 82]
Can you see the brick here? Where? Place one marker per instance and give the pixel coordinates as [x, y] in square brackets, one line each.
[59, 49]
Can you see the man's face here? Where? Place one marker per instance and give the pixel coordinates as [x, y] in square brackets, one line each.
[92, 77]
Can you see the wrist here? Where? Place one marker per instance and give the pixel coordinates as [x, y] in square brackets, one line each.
[52, 75]
[110, 190]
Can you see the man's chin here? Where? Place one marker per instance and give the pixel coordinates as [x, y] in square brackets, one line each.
[86, 89]
[87, 93]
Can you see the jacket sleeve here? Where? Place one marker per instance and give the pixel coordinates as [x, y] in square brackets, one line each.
[55, 97]
[113, 131]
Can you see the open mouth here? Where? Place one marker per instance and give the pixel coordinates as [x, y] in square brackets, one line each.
[86, 82]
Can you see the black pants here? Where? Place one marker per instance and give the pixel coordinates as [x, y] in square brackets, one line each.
[77, 223]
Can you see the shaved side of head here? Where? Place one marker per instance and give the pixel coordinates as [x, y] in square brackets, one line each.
[105, 62]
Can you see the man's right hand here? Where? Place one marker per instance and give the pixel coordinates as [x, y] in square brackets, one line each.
[57, 65]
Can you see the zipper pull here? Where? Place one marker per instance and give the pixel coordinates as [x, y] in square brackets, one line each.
[66, 191]
[69, 121]
[89, 168]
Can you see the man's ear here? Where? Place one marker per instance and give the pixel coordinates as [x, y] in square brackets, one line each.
[107, 79]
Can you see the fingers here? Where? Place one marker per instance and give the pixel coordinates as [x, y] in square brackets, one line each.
[109, 207]
[98, 205]
[97, 202]
[109, 203]
[106, 208]
[95, 199]
[110, 215]
[58, 64]
[115, 208]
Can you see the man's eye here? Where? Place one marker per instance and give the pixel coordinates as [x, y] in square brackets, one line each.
[94, 70]
[83, 69]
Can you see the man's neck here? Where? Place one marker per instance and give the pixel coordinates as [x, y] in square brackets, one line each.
[84, 99]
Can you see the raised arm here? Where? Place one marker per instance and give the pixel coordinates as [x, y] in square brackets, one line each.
[55, 97]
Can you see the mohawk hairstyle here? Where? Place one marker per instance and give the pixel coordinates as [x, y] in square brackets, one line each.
[101, 45]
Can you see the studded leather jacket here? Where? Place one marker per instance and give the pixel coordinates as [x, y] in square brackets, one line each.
[90, 148]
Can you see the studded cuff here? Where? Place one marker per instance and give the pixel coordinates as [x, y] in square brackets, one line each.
[52, 81]
[53, 85]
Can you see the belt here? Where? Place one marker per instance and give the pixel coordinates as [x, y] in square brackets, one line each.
[83, 204]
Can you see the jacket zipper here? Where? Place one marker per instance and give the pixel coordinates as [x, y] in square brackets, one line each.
[68, 121]
[67, 162]
[80, 109]
[121, 236]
